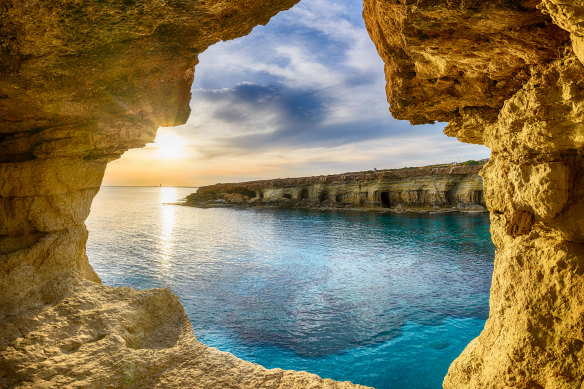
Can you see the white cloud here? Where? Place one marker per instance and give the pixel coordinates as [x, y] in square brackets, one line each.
[314, 67]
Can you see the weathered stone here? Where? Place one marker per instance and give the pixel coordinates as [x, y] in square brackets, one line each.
[445, 57]
[570, 16]
[80, 83]
[527, 108]
[451, 188]
[98, 336]
[533, 337]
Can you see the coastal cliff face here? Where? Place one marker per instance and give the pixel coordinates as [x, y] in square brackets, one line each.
[508, 75]
[80, 83]
[424, 188]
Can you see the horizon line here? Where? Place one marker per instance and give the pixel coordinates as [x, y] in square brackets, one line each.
[147, 186]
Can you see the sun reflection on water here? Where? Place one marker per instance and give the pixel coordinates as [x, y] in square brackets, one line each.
[167, 195]
[166, 240]
[329, 269]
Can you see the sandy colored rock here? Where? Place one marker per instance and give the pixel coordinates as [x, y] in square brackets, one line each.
[535, 331]
[446, 58]
[81, 82]
[528, 109]
[533, 337]
[570, 16]
[98, 336]
[448, 188]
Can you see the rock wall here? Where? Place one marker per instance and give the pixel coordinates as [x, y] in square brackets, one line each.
[83, 81]
[80, 83]
[457, 187]
[507, 75]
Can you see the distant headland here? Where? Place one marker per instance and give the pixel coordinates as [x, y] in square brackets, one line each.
[444, 187]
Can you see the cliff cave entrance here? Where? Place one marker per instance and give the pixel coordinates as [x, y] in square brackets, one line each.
[385, 203]
[245, 192]
[144, 103]
[296, 106]
[303, 194]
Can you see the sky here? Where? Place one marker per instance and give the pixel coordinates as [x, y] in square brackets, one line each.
[303, 95]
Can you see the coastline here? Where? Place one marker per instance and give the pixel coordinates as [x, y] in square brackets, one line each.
[429, 211]
[416, 190]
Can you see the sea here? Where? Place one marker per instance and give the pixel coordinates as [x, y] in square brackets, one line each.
[380, 299]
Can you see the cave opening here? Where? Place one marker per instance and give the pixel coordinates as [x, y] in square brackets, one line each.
[245, 192]
[305, 114]
[385, 202]
[303, 194]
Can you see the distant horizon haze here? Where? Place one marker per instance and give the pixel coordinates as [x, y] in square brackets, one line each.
[277, 178]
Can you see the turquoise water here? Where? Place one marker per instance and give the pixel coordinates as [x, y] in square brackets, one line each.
[378, 299]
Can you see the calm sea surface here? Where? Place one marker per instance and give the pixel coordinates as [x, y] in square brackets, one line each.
[378, 299]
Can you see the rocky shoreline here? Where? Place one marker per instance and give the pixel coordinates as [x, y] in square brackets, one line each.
[424, 190]
[82, 82]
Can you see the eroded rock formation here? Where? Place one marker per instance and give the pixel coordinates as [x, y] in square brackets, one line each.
[104, 337]
[80, 83]
[505, 74]
[83, 81]
[446, 188]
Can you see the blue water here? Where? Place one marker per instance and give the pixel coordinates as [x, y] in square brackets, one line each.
[378, 299]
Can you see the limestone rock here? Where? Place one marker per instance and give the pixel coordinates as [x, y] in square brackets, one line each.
[535, 331]
[527, 108]
[98, 336]
[80, 83]
[83, 81]
[455, 187]
[570, 16]
[444, 57]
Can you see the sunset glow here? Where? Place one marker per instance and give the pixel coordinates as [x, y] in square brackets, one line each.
[307, 97]
[169, 146]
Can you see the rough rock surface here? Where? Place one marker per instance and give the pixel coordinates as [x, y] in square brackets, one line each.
[83, 81]
[99, 337]
[570, 16]
[513, 83]
[80, 83]
[456, 187]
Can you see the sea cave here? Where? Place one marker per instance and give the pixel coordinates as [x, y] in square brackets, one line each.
[83, 82]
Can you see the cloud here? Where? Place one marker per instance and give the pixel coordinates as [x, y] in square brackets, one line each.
[310, 79]
[303, 95]
[317, 43]
[314, 135]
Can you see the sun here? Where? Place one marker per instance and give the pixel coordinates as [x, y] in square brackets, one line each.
[169, 145]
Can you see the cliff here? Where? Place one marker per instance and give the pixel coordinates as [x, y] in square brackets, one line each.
[507, 74]
[457, 187]
[83, 81]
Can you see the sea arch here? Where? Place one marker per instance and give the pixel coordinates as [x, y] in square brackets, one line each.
[84, 81]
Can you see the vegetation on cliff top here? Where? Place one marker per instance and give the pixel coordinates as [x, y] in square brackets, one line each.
[470, 162]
